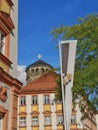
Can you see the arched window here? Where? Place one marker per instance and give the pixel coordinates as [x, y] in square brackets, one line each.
[32, 70]
[42, 70]
[37, 70]
[46, 70]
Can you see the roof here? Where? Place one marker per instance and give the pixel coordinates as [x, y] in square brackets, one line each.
[39, 63]
[45, 83]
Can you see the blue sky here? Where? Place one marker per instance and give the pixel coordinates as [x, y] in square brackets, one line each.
[37, 18]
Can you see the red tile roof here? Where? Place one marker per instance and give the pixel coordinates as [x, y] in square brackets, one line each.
[46, 83]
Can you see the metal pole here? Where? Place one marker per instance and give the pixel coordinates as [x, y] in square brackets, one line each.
[62, 85]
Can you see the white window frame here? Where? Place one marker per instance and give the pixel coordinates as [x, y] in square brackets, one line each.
[60, 119]
[34, 99]
[47, 120]
[46, 99]
[73, 119]
[22, 100]
[35, 121]
[22, 121]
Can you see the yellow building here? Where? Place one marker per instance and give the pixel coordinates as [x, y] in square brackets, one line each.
[37, 109]
[9, 85]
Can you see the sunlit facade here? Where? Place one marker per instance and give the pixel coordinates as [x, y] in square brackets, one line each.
[9, 85]
[37, 109]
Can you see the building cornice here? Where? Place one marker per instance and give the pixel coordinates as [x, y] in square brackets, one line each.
[5, 60]
[6, 24]
[36, 92]
[9, 80]
[10, 2]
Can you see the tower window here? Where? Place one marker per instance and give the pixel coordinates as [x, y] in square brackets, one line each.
[37, 70]
[42, 70]
[32, 70]
[46, 70]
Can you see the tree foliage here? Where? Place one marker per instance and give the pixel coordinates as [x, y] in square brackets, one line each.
[58, 95]
[86, 68]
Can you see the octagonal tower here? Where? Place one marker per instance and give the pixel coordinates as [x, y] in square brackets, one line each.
[36, 70]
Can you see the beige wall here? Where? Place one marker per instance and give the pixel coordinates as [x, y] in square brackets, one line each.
[97, 120]
[41, 110]
[14, 39]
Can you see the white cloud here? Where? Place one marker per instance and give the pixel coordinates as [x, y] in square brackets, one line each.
[21, 75]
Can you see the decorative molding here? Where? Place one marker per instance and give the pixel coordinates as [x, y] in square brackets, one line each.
[3, 94]
[59, 112]
[6, 24]
[4, 62]
[10, 2]
[47, 112]
[34, 113]
[67, 78]
[22, 113]
[9, 80]
[5, 118]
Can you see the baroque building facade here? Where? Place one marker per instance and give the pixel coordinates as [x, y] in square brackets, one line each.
[9, 85]
[37, 109]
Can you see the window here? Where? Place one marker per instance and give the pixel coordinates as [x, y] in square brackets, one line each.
[46, 99]
[1, 120]
[34, 99]
[1, 42]
[42, 70]
[22, 121]
[34, 121]
[58, 102]
[32, 70]
[73, 119]
[47, 120]
[46, 70]
[37, 70]
[59, 119]
[22, 100]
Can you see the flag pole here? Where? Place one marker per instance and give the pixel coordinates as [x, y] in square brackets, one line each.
[67, 51]
[62, 87]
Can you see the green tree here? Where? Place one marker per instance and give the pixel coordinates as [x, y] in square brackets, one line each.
[86, 68]
[58, 94]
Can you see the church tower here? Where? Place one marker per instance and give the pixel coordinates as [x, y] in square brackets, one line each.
[37, 69]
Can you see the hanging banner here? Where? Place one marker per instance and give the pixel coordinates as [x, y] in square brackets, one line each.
[67, 51]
